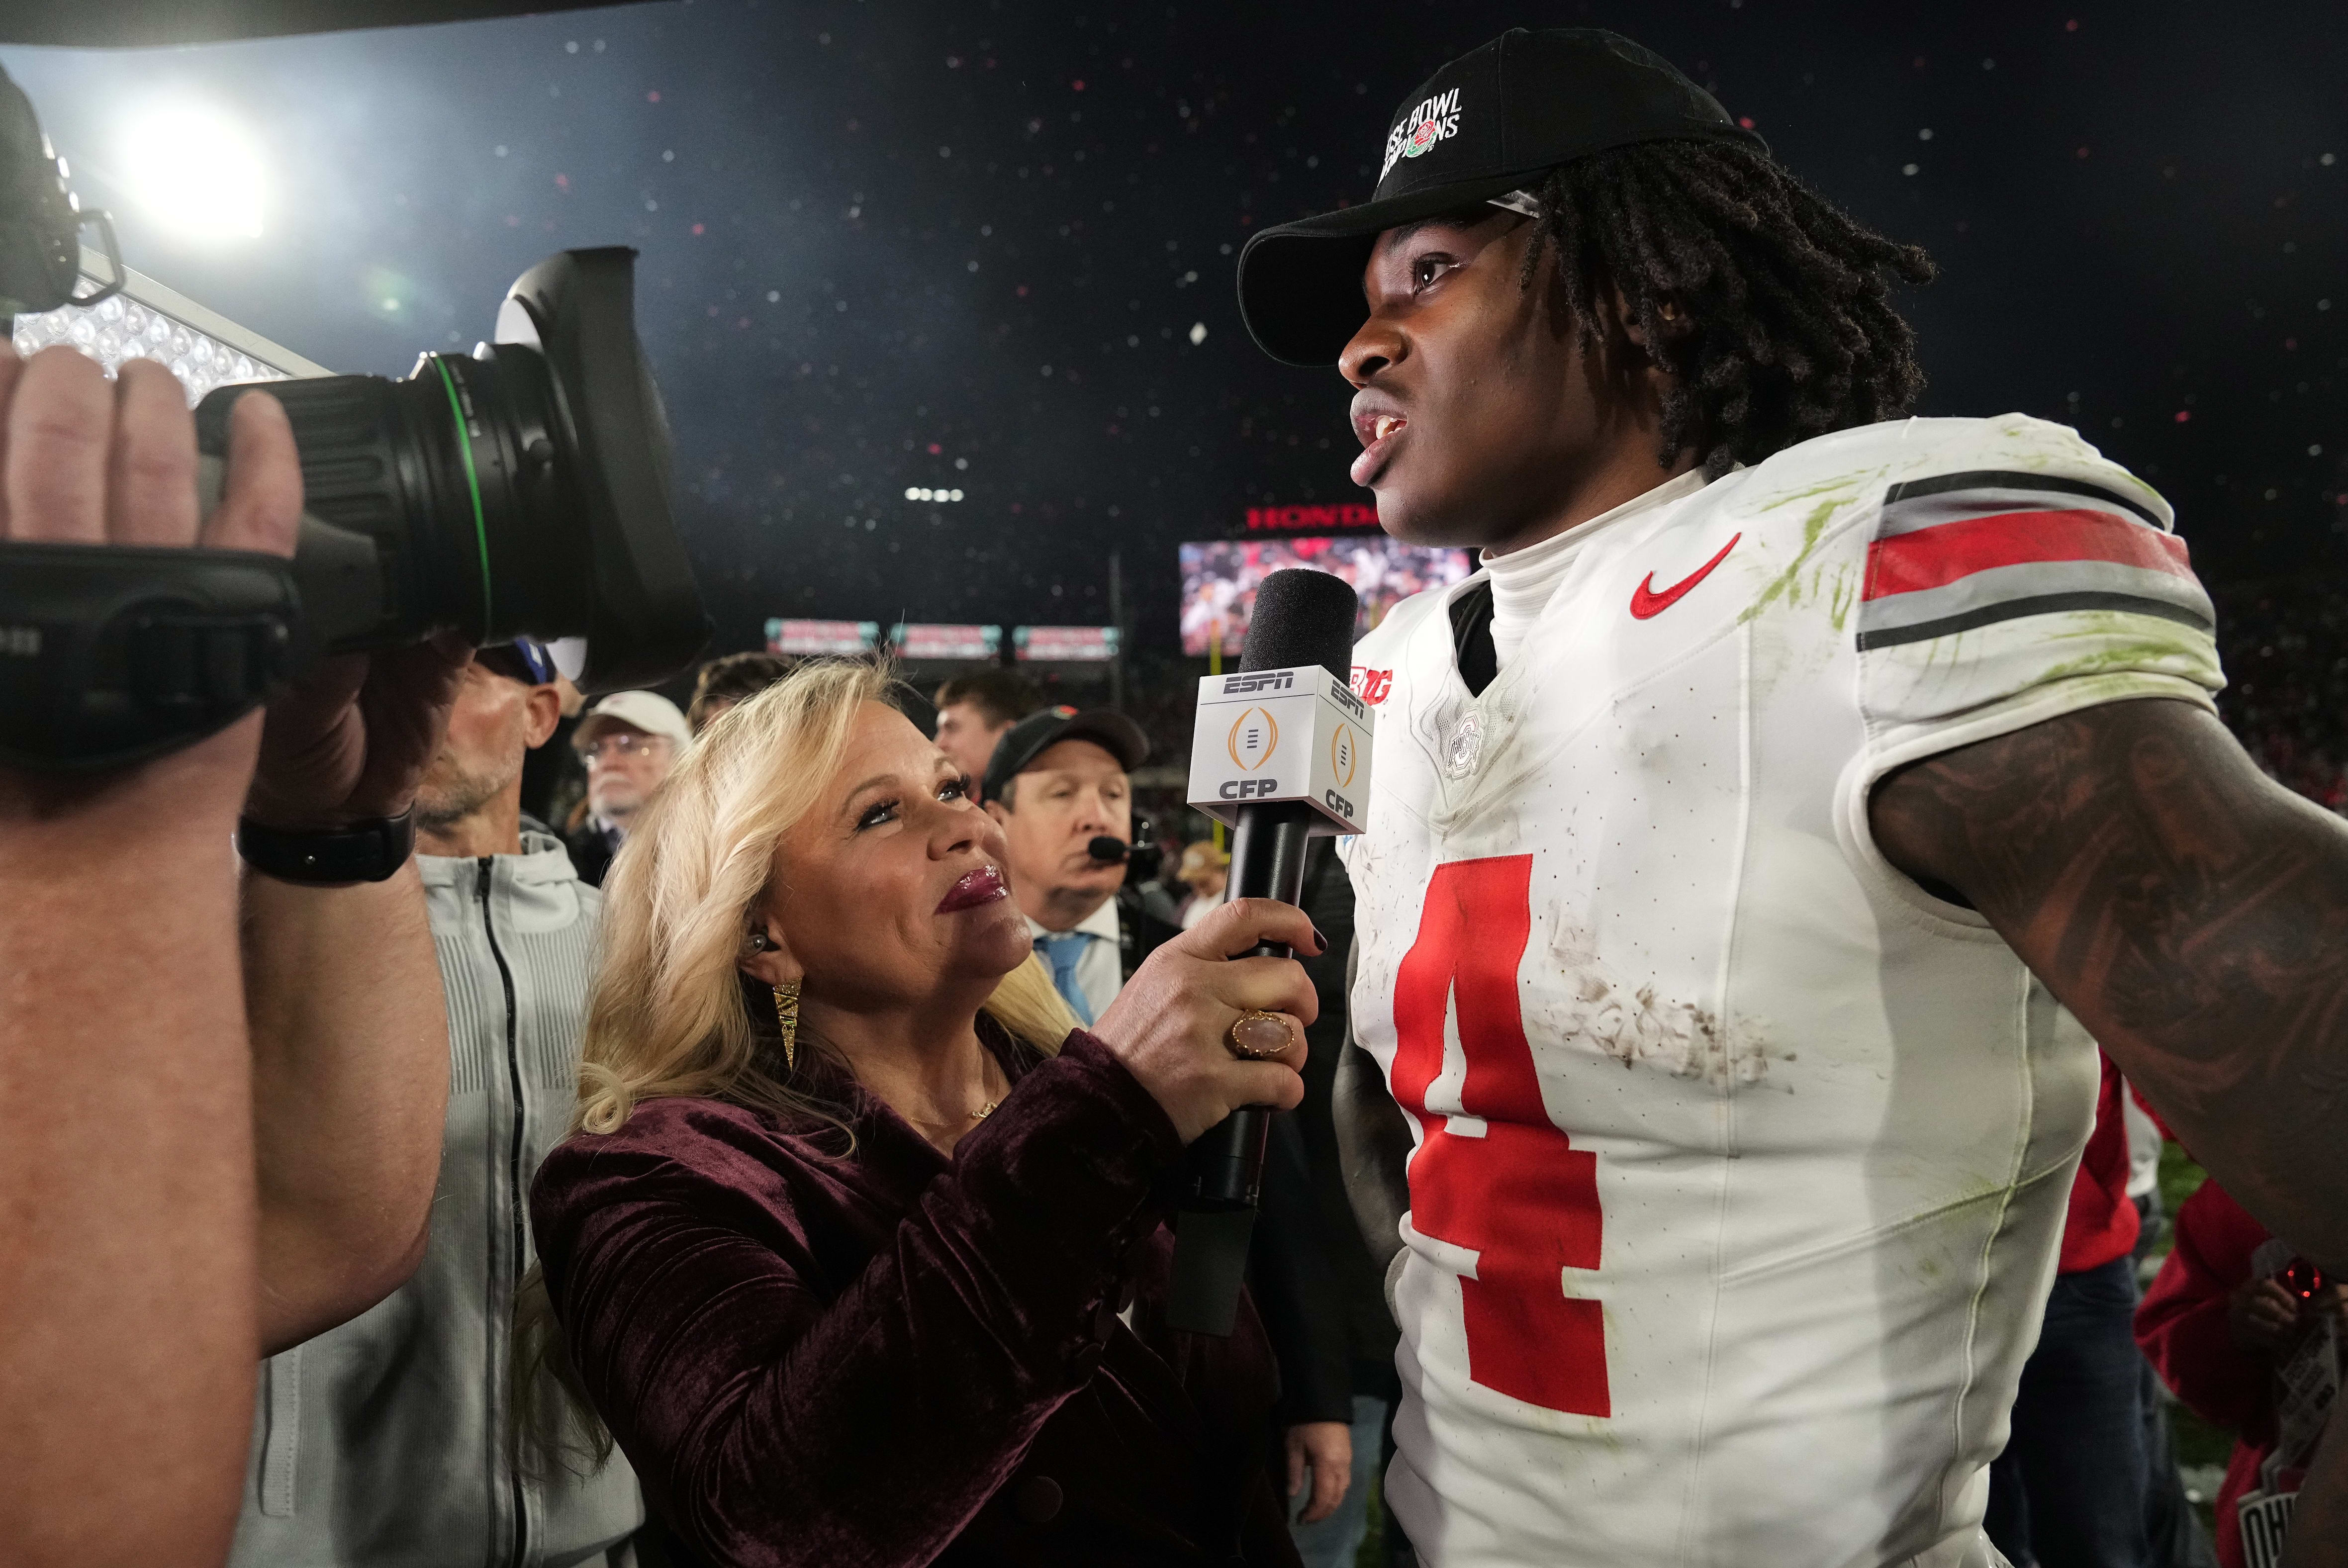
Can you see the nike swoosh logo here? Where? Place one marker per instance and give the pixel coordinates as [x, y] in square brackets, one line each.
[1646, 604]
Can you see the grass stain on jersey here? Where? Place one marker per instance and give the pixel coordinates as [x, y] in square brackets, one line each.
[1842, 598]
[1788, 584]
[2132, 643]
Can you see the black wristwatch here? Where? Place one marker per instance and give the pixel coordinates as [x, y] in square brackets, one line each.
[366, 852]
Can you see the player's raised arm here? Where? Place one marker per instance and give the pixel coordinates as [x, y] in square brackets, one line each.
[2193, 914]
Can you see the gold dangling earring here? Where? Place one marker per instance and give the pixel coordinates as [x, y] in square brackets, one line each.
[786, 1018]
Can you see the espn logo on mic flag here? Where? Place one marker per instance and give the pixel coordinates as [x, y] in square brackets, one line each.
[1282, 735]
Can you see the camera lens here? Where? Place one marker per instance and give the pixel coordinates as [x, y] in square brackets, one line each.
[451, 493]
[521, 490]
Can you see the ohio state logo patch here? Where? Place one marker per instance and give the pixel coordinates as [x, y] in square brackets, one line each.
[1437, 119]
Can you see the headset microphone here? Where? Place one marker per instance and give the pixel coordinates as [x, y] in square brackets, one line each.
[1281, 752]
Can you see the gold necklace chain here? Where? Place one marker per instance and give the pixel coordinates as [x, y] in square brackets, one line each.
[981, 1114]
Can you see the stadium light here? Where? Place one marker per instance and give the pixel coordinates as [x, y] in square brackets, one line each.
[146, 321]
[193, 169]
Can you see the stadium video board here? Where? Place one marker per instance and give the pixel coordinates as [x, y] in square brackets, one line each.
[1220, 578]
[923, 641]
[1064, 644]
[816, 637]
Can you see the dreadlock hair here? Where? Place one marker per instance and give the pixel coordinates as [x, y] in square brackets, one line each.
[1783, 327]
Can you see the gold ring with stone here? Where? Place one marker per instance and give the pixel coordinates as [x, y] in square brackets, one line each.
[1256, 1036]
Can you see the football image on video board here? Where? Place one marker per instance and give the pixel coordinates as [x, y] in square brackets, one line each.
[1220, 578]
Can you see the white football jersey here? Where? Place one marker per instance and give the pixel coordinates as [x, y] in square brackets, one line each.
[1741, 1161]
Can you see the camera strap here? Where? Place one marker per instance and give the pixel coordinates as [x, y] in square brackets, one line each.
[110, 655]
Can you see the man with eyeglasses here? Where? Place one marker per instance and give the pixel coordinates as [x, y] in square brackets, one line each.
[630, 739]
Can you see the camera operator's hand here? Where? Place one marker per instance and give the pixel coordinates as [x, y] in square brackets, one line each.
[351, 739]
[1170, 1023]
[93, 462]
[128, 1323]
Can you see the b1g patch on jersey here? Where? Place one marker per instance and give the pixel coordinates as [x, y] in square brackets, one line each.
[1372, 686]
[1962, 551]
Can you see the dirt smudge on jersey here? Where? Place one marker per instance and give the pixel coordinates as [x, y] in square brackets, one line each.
[1636, 1025]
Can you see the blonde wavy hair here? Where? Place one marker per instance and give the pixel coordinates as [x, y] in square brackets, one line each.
[669, 1011]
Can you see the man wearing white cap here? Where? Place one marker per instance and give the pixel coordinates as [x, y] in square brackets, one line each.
[630, 739]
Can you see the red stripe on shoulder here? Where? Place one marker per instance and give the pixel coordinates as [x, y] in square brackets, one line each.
[1936, 557]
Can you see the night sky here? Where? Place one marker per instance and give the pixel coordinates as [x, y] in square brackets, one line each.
[974, 245]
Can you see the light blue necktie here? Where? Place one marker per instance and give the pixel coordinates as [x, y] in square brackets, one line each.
[1062, 950]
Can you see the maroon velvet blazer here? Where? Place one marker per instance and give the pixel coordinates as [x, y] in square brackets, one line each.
[887, 1359]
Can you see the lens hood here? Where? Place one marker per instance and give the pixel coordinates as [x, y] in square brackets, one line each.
[577, 308]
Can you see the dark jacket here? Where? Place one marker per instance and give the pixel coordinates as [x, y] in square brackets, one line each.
[1139, 932]
[886, 1358]
[591, 852]
[1356, 1281]
[1295, 1261]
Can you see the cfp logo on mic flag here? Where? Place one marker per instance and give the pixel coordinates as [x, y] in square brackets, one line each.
[1278, 736]
[1255, 736]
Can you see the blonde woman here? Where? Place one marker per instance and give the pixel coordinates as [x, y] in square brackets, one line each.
[859, 1250]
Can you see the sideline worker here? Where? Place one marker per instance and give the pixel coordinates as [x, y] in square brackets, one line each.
[388, 1440]
[631, 739]
[730, 680]
[975, 711]
[207, 1149]
[1056, 782]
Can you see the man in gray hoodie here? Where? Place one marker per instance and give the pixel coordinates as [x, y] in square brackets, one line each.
[387, 1443]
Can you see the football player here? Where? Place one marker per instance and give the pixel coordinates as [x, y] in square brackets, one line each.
[1762, 841]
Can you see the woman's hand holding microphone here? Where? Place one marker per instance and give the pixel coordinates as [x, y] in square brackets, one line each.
[1200, 1030]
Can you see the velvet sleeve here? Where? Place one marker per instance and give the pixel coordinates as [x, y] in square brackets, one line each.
[2181, 1325]
[779, 1418]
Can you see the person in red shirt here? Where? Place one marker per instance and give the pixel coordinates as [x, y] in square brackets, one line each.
[2248, 1335]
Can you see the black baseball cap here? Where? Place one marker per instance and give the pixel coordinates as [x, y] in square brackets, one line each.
[1032, 736]
[1490, 122]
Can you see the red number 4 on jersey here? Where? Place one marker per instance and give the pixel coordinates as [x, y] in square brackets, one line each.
[1521, 1195]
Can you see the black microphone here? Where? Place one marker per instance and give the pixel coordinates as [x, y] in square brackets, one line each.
[1140, 856]
[1301, 618]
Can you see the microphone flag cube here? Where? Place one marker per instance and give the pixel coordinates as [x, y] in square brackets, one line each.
[1290, 734]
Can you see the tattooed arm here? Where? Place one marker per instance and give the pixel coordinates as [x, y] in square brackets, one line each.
[2190, 911]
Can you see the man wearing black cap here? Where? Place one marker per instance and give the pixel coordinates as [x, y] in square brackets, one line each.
[1058, 784]
[1757, 840]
